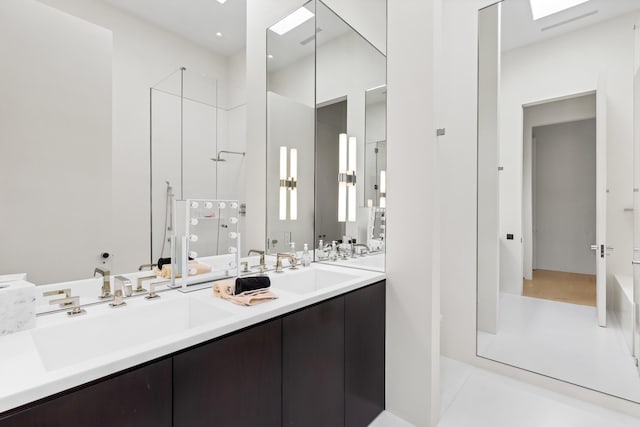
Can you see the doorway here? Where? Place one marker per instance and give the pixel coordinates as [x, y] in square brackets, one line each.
[564, 212]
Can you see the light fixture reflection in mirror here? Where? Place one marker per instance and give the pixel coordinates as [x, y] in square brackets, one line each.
[342, 177]
[383, 189]
[347, 164]
[288, 182]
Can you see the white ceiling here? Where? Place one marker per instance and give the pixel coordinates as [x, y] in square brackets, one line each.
[519, 28]
[195, 20]
[299, 42]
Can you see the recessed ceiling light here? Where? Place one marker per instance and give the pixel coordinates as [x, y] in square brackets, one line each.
[542, 8]
[292, 21]
[222, 1]
[219, 34]
[270, 56]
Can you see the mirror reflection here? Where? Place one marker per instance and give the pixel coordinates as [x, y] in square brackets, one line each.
[333, 81]
[103, 98]
[556, 185]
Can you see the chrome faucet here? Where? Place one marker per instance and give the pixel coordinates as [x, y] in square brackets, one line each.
[106, 285]
[359, 245]
[259, 252]
[122, 288]
[292, 259]
[67, 301]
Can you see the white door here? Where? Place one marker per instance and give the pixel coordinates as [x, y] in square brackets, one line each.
[600, 246]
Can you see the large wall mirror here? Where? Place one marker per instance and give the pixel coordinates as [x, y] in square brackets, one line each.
[326, 122]
[556, 195]
[112, 110]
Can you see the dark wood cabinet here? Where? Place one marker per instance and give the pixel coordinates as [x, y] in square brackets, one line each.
[364, 355]
[321, 366]
[313, 366]
[141, 397]
[235, 381]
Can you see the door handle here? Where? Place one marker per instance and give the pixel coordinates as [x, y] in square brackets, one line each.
[594, 247]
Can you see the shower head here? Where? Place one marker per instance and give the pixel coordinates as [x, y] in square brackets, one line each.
[220, 159]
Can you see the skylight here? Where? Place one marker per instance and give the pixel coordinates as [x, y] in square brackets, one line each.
[542, 8]
[291, 21]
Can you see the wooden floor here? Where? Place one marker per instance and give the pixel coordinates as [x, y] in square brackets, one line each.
[559, 286]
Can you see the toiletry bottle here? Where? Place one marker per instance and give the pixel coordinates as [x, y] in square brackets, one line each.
[306, 256]
[320, 251]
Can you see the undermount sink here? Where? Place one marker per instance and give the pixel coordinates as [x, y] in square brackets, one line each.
[373, 261]
[307, 280]
[89, 337]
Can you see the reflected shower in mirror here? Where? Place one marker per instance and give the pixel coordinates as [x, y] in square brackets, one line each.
[77, 194]
[187, 129]
[556, 186]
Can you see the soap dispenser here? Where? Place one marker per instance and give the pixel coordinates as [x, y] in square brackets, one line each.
[320, 254]
[306, 256]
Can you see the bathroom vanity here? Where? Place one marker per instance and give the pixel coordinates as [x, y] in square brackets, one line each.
[313, 357]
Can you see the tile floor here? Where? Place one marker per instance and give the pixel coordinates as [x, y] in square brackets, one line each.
[473, 397]
[562, 341]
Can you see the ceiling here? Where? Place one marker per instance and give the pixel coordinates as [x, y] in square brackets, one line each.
[519, 28]
[195, 20]
[298, 43]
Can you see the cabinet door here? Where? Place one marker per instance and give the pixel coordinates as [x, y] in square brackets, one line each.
[141, 397]
[313, 366]
[235, 381]
[364, 354]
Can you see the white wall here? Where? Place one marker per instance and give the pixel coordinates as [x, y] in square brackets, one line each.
[564, 171]
[143, 55]
[566, 65]
[458, 173]
[55, 139]
[413, 212]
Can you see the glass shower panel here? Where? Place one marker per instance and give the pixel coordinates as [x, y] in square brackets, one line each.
[184, 141]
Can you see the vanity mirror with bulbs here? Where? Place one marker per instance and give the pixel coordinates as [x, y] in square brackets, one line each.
[558, 190]
[326, 139]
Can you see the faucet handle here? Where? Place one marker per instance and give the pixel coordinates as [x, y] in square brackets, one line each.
[66, 292]
[139, 280]
[118, 299]
[67, 301]
[152, 290]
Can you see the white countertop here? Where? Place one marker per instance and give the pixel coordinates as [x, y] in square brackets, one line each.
[24, 374]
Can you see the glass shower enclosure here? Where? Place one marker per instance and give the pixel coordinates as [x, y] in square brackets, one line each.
[189, 132]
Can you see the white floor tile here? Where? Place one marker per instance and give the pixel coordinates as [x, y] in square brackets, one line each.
[490, 400]
[387, 419]
[473, 397]
[562, 341]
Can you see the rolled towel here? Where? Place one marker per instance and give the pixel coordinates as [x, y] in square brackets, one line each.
[244, 284]
[194, 268]
[225, 289]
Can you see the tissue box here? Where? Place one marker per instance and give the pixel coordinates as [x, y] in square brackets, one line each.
[17, 306]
